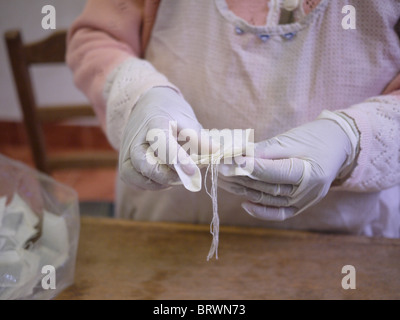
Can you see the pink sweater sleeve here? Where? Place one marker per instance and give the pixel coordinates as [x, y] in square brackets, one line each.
[101, 38]
[378, 121]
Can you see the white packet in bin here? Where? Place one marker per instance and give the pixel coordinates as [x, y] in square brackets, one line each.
[39, 232]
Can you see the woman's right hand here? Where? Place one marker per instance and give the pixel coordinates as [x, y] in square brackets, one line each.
[151, 157]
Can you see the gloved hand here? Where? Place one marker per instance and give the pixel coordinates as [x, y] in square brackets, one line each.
[156, 120]
[295, 170]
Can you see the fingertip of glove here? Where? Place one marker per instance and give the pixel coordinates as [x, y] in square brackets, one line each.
[191, 180]
[189, 168]
[247, 207]
[268, 213]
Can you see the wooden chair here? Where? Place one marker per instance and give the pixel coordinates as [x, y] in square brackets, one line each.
[49, 50]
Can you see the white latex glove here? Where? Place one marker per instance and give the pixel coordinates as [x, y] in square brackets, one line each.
[139, 166]
[295, 170]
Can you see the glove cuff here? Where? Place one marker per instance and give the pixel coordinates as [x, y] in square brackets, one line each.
[349, 127]
[123, 88]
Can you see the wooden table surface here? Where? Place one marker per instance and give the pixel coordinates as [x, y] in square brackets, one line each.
[145, 260]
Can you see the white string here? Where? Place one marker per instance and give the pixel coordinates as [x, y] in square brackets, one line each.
[214, 225]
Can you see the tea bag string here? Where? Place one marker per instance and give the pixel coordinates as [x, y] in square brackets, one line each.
[214, 225]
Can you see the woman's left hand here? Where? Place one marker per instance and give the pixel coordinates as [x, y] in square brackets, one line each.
[295, 170]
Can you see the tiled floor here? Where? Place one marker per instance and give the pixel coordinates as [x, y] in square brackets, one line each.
[95, 187]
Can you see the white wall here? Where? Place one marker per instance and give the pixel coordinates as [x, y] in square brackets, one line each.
[55, 85]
